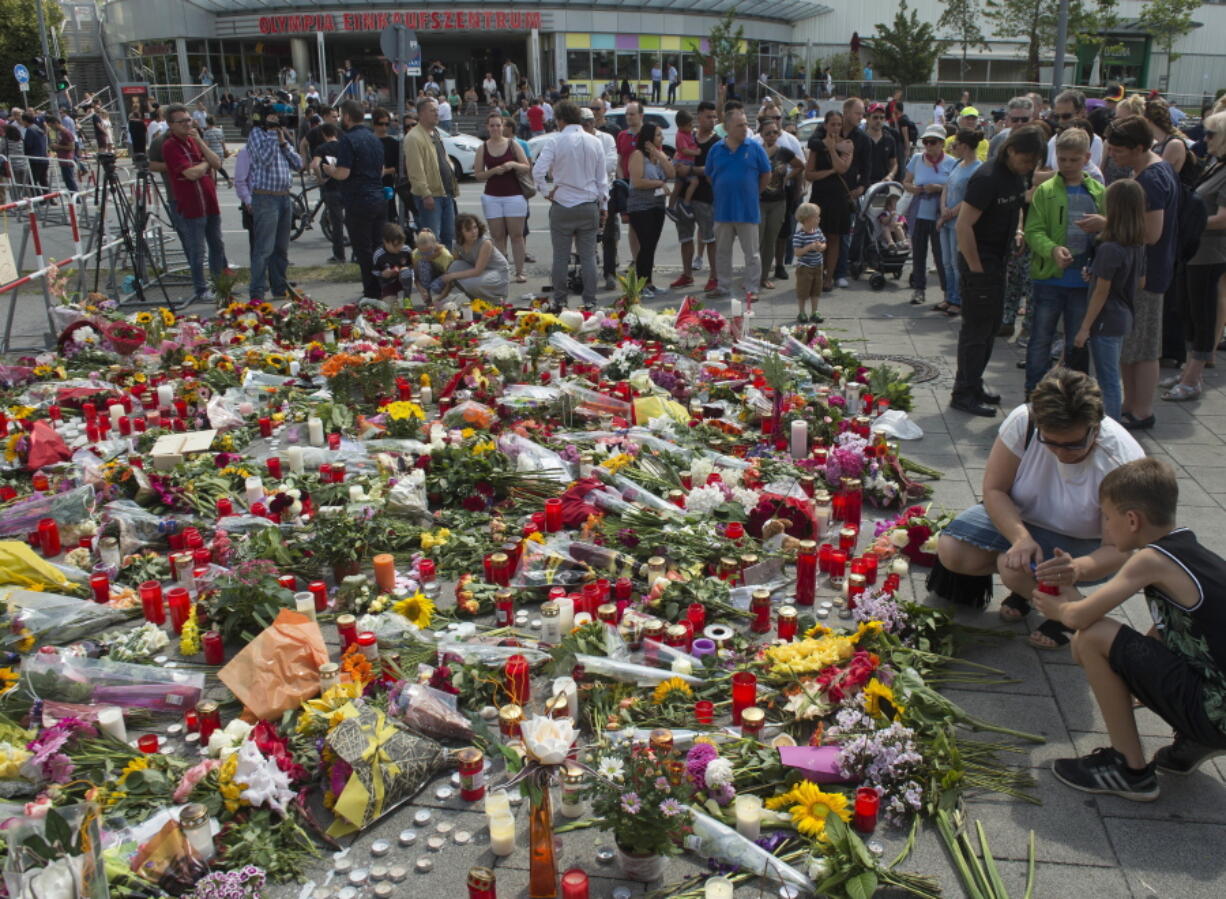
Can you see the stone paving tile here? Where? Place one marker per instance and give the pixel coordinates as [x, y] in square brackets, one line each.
[1163, 859]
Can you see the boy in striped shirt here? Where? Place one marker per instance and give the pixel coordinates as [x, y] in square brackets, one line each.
[809, 244]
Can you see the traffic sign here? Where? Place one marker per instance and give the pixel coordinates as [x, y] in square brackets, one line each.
[399, 45]
[21, 73]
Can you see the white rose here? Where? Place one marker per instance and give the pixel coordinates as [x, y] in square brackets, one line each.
[719, 773]
[930, 545]
[899, 537]
[548, 740]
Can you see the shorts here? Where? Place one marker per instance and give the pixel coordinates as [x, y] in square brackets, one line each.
[974, 526]
[1167, 683]
[808, 282]
[704, 218]
[1144, 342]
[503, 207]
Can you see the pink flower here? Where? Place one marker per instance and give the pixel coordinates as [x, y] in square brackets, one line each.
[193, 776]
[39, 807]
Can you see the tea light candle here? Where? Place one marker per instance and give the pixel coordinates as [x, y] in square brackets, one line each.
[294, 455]
[315, 431]
[566, 614]
[110, 721]
[718, 888]
[749, 815]
[254, 487]
[800, 439]
[385, 571]
[304, 602]
[502, 831]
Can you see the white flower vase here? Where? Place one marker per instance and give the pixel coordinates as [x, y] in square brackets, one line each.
[640, 867]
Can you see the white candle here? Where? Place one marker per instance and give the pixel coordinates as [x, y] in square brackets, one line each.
[116, 412]
[304, 602]
[566, 686]
[497, 804]
[427, 396]
[330, 337]
[821, 518]
[110, 720]
[899, 566]
[718, 888]
[294, 368]
[356, 493]
[800, 438]
[315, 431]
[294, 455]
[566, 614]
[255, 489]
[736, 309]
[166, 395]
[502, 835]
[749, 816]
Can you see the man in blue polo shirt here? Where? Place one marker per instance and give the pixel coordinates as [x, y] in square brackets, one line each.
[738, 170]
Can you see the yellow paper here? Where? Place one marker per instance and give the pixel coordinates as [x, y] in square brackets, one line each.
[21, 566]
[648, 407]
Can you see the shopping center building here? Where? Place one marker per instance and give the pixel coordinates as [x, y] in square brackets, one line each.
[589, 43]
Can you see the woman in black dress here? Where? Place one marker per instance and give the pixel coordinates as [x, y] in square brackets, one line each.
[828, 158]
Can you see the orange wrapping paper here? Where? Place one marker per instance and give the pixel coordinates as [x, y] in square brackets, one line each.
[279, 669]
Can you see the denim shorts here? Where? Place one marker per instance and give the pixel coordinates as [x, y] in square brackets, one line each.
[974, 526]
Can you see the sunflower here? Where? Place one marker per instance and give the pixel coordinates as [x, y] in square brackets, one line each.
[168, 317]
[810, 808]
[879, 700]
[8, 679]
[144, 318]
[137, 764]
[664, 691]
[416, 608]
[276, 360]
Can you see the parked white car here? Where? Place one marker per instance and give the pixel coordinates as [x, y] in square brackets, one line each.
[659, 116]
[462, 151]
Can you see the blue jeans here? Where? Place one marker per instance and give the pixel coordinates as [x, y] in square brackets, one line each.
[197, 233]
[271, 218]
[1105, 351]
[1050, 305]
[440, 219]
[949, 259]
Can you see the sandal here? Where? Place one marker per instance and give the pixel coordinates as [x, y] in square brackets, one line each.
[1014, 607]
[942, 306]
[1181, 393]
[953, 311]
[768, 285]
[1051, 634]
[521, 278]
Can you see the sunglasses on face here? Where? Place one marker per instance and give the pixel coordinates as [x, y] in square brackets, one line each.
[932, 140]
[1071, 445]
[1019, 120]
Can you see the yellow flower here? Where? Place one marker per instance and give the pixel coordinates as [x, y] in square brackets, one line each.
[43, 371]
[482, 448]
[424, 380]
[402, 410]
[10, 445]
[20, 412]
[810, 807]
[665, 689]
[26, 643]
[879, 700]
[144, 318]
[618, 462]
[189, 637]
[418, 609]
[137, 764]
[810, 656]
[231, 792]
[8, 680]
[438, 538]
[467, 433]
[168, 317]
[867, 629]
[276, 360]
[317, 711]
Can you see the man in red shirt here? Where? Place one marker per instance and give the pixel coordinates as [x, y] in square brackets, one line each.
[189, 166]
[536, 118]
[626, 141]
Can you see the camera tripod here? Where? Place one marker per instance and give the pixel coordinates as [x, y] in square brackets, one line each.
[136, 255]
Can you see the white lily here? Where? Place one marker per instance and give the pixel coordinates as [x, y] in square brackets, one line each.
[548, 740]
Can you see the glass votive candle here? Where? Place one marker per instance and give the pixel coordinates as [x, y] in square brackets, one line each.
[744, 694]
[868, 802]
[100, 584]
[147, 743]
[704, 711]
[838, 566]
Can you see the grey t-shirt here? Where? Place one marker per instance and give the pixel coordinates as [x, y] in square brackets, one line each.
[1123, 267]
[1212, 249]
[444, 165]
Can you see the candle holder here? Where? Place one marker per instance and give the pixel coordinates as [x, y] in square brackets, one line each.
[868, 802]
[704, 712]
[147, 743]
[553, 515]
[744, 694]
[806, 573]
[516, 673]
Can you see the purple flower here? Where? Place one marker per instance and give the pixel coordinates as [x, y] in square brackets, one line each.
[696, 761]
[631, 804]
[671, 808]
[663, 785]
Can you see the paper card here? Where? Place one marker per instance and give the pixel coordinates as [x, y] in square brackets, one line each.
[182, 444]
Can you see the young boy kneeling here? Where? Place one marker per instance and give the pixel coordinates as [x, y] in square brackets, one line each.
[1179, 669]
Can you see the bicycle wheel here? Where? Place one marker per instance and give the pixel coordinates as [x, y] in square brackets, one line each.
[301, 217]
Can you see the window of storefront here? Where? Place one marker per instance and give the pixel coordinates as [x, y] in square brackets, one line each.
[603, 63]
[578, 65]
[628, 65]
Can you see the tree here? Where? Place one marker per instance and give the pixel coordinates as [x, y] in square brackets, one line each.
[20, 43]
[905, 51]
[1038, 20]
[843, 67]
[726, 55]
[961, 22]
[1167, 21]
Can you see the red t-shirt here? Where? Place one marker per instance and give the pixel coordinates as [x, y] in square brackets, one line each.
[626, 143]
[536, 118]
[194, 199]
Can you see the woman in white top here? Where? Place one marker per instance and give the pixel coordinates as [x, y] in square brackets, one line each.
[938, 113]
[1040, 519]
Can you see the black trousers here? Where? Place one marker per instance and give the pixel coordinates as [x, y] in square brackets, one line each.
[334, 209]
[365, 218]
[648, 225]
[612, 231]
[1175, 325]
[983, 308]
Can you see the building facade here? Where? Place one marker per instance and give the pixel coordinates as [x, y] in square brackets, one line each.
[590, 44]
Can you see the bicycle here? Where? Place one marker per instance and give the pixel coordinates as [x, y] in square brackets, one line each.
[303, 215]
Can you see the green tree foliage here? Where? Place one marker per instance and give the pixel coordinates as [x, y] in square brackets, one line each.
[962, 24]
[1168, 21]
[844, 67]
[728, 50]
[906, 50]
[1039, 19]
[20, 43]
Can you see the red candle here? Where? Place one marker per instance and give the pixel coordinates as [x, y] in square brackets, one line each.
[735, 530]
[786, 623]
[504, 605]
[151, 602]
[334, 440]
[125, 425]
[553, 515]
[847, 539]
[891, 583]
[180, 607]
[823, 558]
[704, 711]
[320, 591]
[591, 599]
[868, 801]
[744, 694]
[181, 408]
[89, 410]
[404, 390]
[147, 743]
[214, 651]
[516, 680]
[574, 884]
[7, 493]
[92, 433]
[100, 583]
[870, 568]
[273, 463]
[191, 721]
[49, 537]
[760, 608]
[265, 427]
[806, 573]
[53, 412]
[838, 564]
[696, 614]
[346, 630]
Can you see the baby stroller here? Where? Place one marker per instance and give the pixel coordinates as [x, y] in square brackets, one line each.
[869, 249]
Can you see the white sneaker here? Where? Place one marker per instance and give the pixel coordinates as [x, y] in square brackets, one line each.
[842, 282]
[697, 266]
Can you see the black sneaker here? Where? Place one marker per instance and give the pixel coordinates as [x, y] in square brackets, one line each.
[781, 273]
[672, 213]
[1104, 771]
[1184, 756]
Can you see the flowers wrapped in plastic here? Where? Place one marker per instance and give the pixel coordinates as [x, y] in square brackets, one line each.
[55, 675]
[714, 840]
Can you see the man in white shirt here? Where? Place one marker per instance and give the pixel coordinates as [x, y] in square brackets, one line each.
[656, 77]
[579, 196]
[1069, 105]
[545, 105]
[674, 82]
[489, 87]
[444, 114]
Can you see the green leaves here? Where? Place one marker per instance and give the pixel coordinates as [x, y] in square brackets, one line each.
[906, 50]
